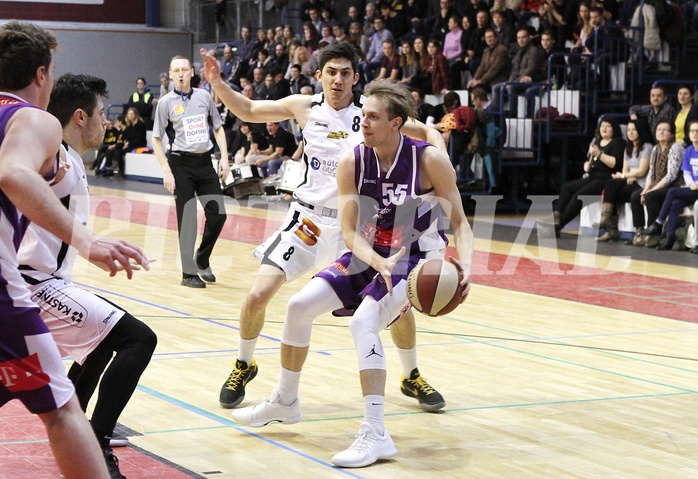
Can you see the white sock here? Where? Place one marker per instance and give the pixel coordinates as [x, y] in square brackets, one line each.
[246, 349]
[374, 412]
[408, 360]
[289, 381]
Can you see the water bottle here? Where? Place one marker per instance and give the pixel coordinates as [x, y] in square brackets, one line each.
[553, 81]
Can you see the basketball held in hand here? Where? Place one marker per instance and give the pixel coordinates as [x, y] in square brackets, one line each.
[433, 287]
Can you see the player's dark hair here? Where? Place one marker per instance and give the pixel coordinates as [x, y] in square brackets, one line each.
[339, 50]
[71, 92]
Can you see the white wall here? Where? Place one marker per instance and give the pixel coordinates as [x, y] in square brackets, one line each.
[118, 53]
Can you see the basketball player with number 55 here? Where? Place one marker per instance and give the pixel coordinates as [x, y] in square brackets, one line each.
[311, 234]
[393, 190]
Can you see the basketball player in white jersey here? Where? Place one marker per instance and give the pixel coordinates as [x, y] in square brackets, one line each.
[86, 327]
[311, 234]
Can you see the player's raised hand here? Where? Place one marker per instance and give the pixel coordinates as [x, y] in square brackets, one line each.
[212, 69]
[115, 255]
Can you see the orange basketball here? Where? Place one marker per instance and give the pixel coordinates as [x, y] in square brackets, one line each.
[433, 287]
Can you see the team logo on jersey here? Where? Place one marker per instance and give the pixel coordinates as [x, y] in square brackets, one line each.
[315, 163]
[23, 374]
[338, 135]
[178, 109]
[60, 306]
[308, 232]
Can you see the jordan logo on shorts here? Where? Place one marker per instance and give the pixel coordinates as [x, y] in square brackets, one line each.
[373, 352]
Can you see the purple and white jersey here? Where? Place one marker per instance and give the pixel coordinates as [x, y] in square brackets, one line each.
[394, 210]
[13, 223]
[30, 365]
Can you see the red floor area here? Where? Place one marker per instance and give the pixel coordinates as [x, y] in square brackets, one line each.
[626, 291]
[25, 454]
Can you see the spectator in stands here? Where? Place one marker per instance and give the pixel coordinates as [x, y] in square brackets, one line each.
[415, 12]
[395, 20]
[453, 49]
[424, 109]
[506, 12]
[437, 26]
[374, 55]
[245, 48]
[262, 43]
[371, 14]
[609, 9]
[258, 77]
[339, 34]
[619, 189]
[289, 35]
[469, 8]
[657, 111]
[304, 59]
[280, 87]
[298, 80]
[421, 79]
[688, 111]
[315, 19]
[409, 61]
[608, 45]
[665, 166]
[166, 85]
[282, 145]
[437, 67]
[568, 11]
[505, 32]
[311, 37]
[528, 10]
[678, 197]
[605, 158]
[280, 59]
[327, 17]
[479, 44]
[263, 61]
[558, 67]
[583, 28]
[229, 64]
[307, 5]
[645, 33]
[525, 64]
[292, 49]
[441, 116]
[239, 141]
[495, 64]
[113, 140]
[142, 101]
[353, 15]
[326, 35]
[359, 40]
[134, 134]
[390, 66]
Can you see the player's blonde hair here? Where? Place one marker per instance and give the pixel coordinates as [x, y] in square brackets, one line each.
[396, 97]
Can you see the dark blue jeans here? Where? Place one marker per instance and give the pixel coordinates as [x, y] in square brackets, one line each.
[676, 200]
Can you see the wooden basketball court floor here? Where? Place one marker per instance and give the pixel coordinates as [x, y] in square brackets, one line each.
[559, 365]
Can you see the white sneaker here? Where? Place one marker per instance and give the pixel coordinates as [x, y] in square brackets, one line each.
[368, 447]
[271, 410]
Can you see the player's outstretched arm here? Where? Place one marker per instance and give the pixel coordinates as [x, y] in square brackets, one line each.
[417, 129]
[256, 111]
[23, 155]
